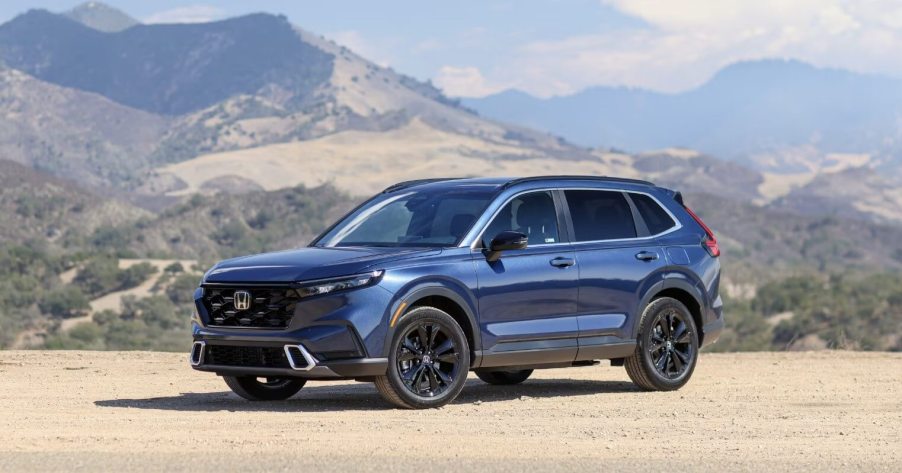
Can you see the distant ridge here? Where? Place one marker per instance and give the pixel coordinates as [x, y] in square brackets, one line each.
[746, 108]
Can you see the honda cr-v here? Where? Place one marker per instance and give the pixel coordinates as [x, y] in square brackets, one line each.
[432, 279]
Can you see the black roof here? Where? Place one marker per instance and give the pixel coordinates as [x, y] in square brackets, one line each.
[578, 178]
[505, 182]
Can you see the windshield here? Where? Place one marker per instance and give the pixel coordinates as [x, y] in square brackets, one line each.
[427, 218]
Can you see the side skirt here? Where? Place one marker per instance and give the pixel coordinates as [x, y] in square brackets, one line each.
[555, 357]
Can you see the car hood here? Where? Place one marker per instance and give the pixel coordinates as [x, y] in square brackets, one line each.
[307, 264]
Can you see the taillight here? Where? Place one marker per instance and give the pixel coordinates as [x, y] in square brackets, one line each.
[710, 241]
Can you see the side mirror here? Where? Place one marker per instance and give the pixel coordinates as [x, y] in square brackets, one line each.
[506, 241]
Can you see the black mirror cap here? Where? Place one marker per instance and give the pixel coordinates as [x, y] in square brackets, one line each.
[508, 240]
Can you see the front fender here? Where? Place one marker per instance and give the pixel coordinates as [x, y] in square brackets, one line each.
[451, 289]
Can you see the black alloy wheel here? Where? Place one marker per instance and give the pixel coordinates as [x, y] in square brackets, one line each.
[667, 347]
[429, 360]
[671, 347]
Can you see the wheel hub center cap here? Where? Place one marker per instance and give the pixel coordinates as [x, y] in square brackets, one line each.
[427, 359]
[669, 345]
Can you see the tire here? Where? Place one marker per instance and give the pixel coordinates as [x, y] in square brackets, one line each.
[426, 368]
[667, 349]
[274, 389]
[503, 378]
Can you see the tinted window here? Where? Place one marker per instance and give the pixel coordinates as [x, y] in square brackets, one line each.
[532, 214]
[414, 218]
[656, 219]
[600, 215]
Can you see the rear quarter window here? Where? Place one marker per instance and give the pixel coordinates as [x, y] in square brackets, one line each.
[656, 218]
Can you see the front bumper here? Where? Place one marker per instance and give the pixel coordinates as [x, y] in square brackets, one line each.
[285, 360]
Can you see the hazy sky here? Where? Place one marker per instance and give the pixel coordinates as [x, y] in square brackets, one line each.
[549, 47]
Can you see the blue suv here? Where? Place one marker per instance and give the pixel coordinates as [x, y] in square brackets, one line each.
[433, 278]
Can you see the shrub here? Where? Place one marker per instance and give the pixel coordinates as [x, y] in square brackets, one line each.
[99, 276]
[181, 290]
[64, 302]
[135, 274]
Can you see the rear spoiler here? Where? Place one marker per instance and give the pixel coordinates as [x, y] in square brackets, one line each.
[676, 195]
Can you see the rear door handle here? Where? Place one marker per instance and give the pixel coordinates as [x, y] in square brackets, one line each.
[646, 256]
[561, 262]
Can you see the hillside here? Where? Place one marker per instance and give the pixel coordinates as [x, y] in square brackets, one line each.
[186, 90]
[79, 135]
[242, 119]
[35, 206]
[216, 227]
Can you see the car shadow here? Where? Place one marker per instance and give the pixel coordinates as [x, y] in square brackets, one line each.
[363, 397]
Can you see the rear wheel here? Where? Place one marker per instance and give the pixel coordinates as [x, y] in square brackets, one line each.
[428, 362]
[667, 349]
[503, 378]
[264, 389]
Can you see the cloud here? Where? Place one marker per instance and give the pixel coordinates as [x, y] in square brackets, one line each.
[681, 43]
[187, 14]
[465, 81]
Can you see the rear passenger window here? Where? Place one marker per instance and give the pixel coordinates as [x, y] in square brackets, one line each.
[600, 215]
[656, 219]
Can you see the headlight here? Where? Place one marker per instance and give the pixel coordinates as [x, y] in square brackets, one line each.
[341, 284]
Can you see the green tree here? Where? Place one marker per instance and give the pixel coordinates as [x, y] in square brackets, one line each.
[135, 274]
[64, 302]
[99, 276]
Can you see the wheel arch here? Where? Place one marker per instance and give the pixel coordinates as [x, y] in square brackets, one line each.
[445, 298]
[683, 291]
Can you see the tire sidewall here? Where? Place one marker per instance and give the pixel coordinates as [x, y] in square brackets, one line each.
[651, 313]
[416, 316]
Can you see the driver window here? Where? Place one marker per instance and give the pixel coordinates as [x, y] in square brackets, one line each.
[531, 214]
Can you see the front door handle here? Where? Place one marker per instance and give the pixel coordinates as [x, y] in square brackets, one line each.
[561, 262]
[646, 256]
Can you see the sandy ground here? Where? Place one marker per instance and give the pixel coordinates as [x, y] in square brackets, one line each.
[85, 411]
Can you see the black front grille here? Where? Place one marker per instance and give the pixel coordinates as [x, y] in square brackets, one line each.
[269, 307]
[254, 357]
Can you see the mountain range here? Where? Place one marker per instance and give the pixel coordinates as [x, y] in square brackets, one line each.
[150, 115]
[748, 111]
[211, 140]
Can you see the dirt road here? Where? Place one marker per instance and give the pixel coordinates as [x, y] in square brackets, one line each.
[88, 411]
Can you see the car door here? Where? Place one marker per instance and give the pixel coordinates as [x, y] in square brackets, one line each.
[616, 258]
[528, 298]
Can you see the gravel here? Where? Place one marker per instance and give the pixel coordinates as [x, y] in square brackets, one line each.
[100, 411]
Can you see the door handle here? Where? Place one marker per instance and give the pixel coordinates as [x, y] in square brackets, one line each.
[646, 256]
[561, 262]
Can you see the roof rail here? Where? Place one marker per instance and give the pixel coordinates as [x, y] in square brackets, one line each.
[579, 178]
[416, 182]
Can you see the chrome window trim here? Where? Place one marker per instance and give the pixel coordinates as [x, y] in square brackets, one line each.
[677, 224]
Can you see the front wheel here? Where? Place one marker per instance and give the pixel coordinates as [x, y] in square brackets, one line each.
[667, 349]
[428, 361]
[264, 389]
